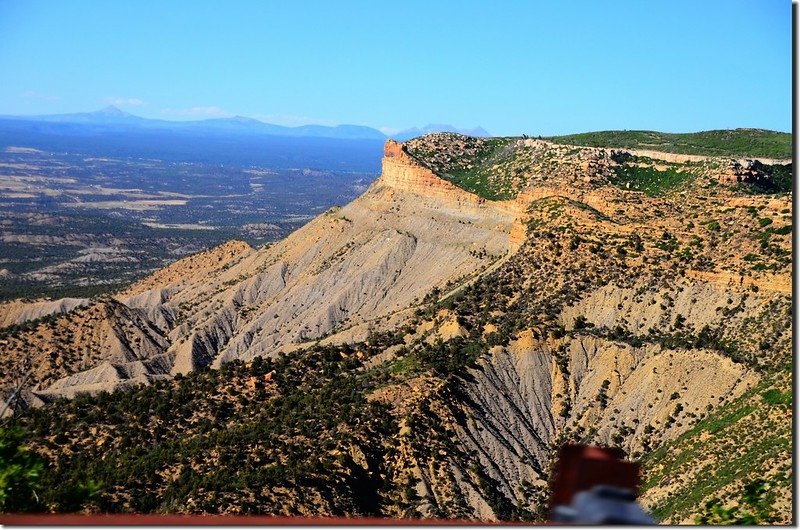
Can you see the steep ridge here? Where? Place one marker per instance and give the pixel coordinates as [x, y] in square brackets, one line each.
[191, 268]
[107, 342]
[511, 410]
[350, 268]
[18, 312]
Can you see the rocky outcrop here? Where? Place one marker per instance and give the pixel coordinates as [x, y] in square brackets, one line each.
[682, 158]
[402, 172]
[748, 172]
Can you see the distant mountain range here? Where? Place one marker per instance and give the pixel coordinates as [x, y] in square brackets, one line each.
[114, 119]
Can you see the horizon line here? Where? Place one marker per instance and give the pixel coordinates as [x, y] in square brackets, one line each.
[228, 116]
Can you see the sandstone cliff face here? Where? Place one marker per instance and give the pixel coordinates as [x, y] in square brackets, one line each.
[403, 173]
[681, 158]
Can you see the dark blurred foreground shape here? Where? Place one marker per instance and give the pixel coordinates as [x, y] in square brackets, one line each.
[594, 485]
[106, 520]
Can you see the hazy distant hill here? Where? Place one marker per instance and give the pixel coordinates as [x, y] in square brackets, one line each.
[107, 115]
[117, 120]
[112, 119]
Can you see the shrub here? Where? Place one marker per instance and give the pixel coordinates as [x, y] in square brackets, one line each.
[753, 508]
[773, 396]
[582, 323]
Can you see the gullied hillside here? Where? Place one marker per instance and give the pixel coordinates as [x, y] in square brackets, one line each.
[422, 351]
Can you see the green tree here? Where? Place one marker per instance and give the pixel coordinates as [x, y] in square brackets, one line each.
[752, 509]
[20, 471]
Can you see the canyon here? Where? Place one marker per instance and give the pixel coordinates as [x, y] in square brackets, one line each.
[492, 299]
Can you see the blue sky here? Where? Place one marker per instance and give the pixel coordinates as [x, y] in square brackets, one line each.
[513, 67]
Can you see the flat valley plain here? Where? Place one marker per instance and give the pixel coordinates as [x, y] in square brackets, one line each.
[80, 216]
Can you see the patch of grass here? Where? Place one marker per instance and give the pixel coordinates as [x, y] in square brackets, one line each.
[773, 396]
[753, 508]
[477, 178]
[408, 364]
[720, 422]
[649, 179]
[745, 438]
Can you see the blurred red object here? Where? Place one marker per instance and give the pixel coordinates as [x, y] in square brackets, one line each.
[581, 467]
